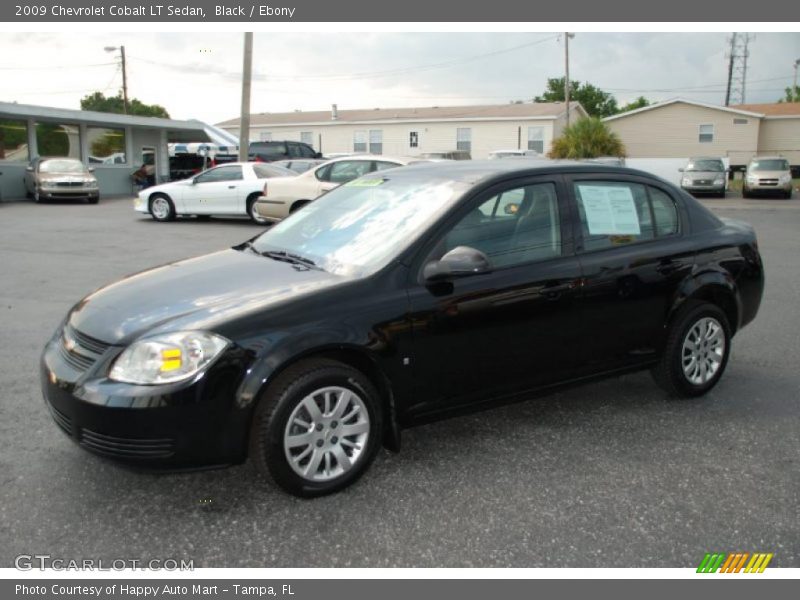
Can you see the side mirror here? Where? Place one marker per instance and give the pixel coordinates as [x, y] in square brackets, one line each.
[461, 261]
[91, 169]
[318, 155]
[511, 208]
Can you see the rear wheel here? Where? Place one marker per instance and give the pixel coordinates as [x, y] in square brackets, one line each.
[696, 352]
[298, 205]
[252, 212]
[317, 428]
[161, 208]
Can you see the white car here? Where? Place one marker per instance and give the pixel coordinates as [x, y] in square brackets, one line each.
[229, 189]
[284, 195]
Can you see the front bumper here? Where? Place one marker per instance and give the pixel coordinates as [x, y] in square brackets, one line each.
[68, 193]
[184, 425]
[271, 210]
[760, 188]
[703, 189]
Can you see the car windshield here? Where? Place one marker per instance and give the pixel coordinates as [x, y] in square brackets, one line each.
[61, 165]
[361, 226]
[770, 164]
[705, 165]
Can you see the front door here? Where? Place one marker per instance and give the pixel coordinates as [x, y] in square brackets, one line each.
[508, 330]
[215, 192]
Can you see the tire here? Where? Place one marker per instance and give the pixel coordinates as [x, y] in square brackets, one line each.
[321, 462]
[745, 193]
[203, 217]
[675, 372]
[93, 200]
[251, 210]
[788, 195]
[161, 208]
[36, 197]
[298, 205]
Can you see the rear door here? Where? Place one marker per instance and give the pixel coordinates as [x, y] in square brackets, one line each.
[630, 242]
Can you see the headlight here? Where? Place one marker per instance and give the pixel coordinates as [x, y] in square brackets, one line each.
[752, 179]
[785, 178]
[719, 181]
[686, 181]
[90, 183]
[167, 358]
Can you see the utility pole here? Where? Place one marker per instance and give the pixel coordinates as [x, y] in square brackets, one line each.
[124, 80]
[247, 78]
[567, 35]
[124, 75]
[794, 85]
[730, 70]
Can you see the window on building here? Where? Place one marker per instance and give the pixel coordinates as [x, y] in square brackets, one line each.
[53, 139]
[706, 134]
[14, 140]
[464, 139]
[413, 139]
[740, 121]
[536, 139]
[376, 141]
[307, 137]
[359, 141]
[265, 136]
[106, 146]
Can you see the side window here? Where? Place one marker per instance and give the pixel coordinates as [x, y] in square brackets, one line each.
[347, 170]
[294, 150]
[306, 151]
[517, 226]
[620, 213]
[665, 213]
[232, 173]
[323, 173]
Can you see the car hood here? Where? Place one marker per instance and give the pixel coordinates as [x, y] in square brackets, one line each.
[66, 176]
[768, 174]
[198, 293]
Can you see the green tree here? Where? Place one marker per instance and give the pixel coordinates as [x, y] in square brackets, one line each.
[595, 101]
[587, 138]
[789, 97]
[115, 104]
[640, 102]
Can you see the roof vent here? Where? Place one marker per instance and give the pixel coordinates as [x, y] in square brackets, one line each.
[334, 112]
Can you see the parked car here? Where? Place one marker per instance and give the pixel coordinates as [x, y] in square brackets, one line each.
[398, 298]
[281, 197]
[767, 174]
[229, 189]
[497, 154]
[705, 175]
[448, 155]
[60, 178]
[300, 165]
[272, 151]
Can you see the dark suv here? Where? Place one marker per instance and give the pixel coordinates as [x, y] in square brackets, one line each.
[271, 151]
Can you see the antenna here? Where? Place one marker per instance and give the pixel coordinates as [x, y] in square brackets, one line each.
[737, 56]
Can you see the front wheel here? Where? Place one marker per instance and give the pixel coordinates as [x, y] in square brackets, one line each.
[696, 352]
[161, 208]
[317, 428]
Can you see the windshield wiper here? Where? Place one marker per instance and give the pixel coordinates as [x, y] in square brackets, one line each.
[290, 258]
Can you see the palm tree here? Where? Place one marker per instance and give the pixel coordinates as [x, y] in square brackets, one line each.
[587, 138]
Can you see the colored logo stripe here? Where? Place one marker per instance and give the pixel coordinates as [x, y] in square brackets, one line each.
[734, 562]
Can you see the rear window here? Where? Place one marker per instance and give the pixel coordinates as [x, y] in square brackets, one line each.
[268, 148]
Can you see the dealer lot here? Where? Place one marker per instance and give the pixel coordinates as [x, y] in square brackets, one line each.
[609, 474]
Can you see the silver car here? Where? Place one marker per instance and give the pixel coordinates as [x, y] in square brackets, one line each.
[60, 179]
[768, 174]
[705, 175]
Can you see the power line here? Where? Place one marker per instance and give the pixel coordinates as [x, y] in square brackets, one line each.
[54, 67]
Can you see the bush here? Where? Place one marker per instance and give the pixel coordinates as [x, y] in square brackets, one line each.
[587, 138]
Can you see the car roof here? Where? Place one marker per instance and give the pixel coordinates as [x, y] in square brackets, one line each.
[768, 158]
[473, 171]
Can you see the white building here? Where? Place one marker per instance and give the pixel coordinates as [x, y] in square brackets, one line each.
[414, 131]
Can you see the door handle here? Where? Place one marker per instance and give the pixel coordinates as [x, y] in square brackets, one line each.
[553, 292]
[231, 187]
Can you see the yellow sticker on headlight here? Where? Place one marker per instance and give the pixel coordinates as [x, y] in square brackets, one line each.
[170, 359]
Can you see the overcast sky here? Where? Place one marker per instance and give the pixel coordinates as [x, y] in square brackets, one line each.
[198, 75]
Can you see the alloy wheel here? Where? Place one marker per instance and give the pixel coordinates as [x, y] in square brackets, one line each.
[160, 208]
[703, 350]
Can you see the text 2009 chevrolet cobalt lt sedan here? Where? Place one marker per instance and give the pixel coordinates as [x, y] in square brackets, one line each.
[398, 298]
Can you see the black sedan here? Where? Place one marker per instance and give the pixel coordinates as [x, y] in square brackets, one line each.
[402, 297]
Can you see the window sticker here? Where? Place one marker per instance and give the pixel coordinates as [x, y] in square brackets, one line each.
[609, 210]
[365, 182]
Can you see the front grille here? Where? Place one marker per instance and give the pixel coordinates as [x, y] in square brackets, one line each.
[79, 350]
[62, 420]
[703, 182]
[768, 181]
[126, 447]
[69, 184]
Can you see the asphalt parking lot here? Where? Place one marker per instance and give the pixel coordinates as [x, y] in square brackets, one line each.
[614, 474]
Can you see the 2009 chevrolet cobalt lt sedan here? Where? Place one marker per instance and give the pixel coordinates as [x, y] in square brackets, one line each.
[398, 298]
